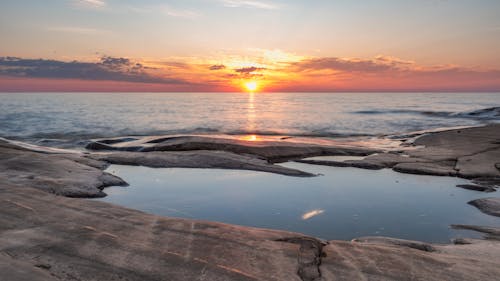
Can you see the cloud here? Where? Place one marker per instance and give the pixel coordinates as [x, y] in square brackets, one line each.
[248, 70]
[108, 68]
[249, 4]
[346, 65]
[90, 3]
[217, 67]
[180, 13]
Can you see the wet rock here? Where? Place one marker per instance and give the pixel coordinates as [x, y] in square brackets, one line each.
[492, 232]
[476, 187]
[103, 146]
[490, 206]
[270, 150]
[118, 140]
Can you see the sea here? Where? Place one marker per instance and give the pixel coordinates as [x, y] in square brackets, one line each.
[71, 119]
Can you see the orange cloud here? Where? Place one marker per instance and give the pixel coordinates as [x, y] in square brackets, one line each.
[274, 70]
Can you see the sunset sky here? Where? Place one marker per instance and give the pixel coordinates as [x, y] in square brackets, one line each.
[219, 45]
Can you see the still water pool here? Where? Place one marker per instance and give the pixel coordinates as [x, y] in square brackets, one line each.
[341, 203]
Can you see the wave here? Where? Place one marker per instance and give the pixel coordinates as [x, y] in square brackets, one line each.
[74, 139]
[490, 113]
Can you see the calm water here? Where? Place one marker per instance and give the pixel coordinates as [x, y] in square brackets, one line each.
[344, 203]
[54, 117]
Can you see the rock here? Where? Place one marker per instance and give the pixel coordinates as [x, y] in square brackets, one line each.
[425, 168]
[476, 187]
[492, 232]
[479, 165]
[493, 182]
[198, 159]
[275, 151]
[372, 261]
[466, 152]
[70, 175]
[103, 146]
[490, 206]
[118, 140]
[426, 247]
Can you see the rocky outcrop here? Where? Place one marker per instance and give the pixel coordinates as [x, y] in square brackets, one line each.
[422, 246]
[490, 206]
[197, 159]
[273, 151]
[492, 233]
[69, 175]
[471, 153]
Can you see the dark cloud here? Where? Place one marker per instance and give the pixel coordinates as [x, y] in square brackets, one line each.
[109, 68]
[346, 65]
[248, 69]
[217, 67]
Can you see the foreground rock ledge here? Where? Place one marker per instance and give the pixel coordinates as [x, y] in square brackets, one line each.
[48, 237]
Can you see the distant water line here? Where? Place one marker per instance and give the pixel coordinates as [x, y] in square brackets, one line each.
[65, 119]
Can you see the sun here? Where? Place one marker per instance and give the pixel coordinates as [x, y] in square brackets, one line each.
[251, 86]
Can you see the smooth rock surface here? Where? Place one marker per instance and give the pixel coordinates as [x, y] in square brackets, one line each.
[470, 153]
[70, 175]
[490, 206]
[197, 159]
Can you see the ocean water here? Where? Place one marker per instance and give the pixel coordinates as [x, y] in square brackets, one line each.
[64, 119]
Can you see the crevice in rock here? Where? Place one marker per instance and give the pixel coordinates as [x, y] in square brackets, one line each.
[309, 256]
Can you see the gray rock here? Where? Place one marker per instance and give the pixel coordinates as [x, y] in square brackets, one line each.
[198, 159]
[490, 206]
[70, 175]
[422, 246]
[476, 187]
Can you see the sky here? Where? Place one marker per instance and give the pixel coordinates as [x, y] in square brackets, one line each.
[223, 45]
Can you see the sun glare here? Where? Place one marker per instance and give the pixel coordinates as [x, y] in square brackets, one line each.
[251, 86]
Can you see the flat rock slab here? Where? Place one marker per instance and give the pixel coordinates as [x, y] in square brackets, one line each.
[197, 159]
[490, 206]
[70, 175]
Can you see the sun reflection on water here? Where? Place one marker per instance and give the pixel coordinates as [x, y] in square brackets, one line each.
[312, 213]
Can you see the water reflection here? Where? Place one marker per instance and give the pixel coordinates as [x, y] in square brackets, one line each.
[344, 203]
[250, 122]
[250, 138]
[251, 113]
[312, 213]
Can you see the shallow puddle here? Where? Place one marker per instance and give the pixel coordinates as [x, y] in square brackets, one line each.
[342, 203]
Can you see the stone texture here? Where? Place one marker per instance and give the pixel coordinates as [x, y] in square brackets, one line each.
[197, 159]
[490, 206]
[70, 175]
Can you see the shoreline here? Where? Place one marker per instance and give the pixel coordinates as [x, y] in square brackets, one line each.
[42, 235]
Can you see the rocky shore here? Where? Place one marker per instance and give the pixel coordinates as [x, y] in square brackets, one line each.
[45, 235]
